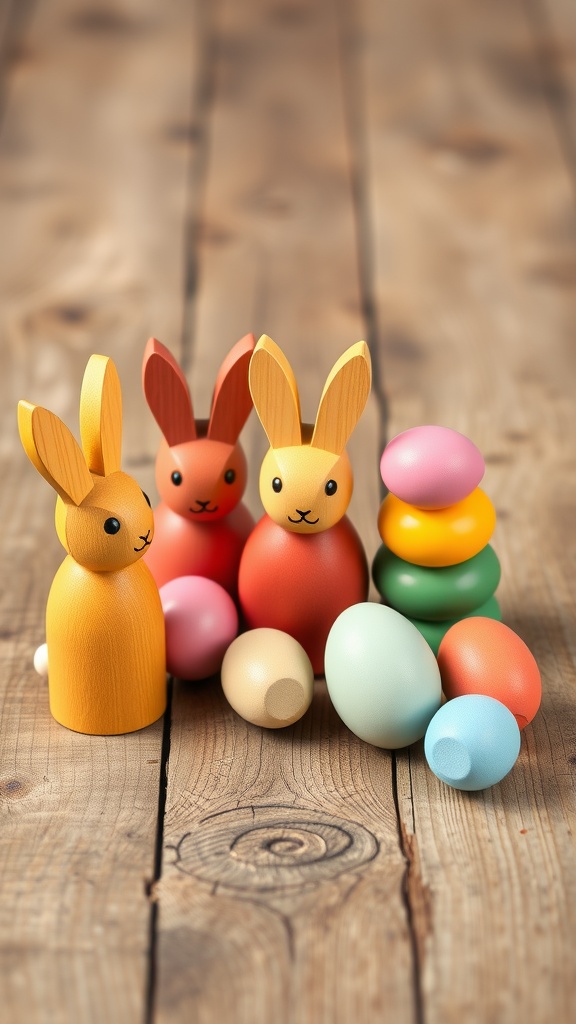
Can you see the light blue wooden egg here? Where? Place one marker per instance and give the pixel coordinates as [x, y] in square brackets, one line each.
[381, 675]
[472, 742]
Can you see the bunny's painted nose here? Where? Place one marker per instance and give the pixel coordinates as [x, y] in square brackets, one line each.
[303, 519]
[146, 541]
[203, 507]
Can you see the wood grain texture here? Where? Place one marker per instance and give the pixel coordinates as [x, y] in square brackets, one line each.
[275, 395]
[282, 869]
[343, 399]
[554, 33]
[94, 152]
[473, 225]
[101, 416]
[322, 173]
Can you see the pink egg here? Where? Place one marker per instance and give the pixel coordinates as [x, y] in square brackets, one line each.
[431, 467]
[201, 623]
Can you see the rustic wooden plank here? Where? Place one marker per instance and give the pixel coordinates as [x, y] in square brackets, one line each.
[554, 34]
[94, 154]
[474, 240]
[280, 896]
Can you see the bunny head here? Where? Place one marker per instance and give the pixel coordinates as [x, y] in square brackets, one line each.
[306, 477]
[201, 469]
[103, 518]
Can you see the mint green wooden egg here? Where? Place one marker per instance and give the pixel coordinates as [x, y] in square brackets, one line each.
[382, 676]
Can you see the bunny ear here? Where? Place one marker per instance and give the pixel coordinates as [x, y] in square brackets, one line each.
[343, 399]
[167, 394]
[54, 452]
[232, 401]
[101, 416]
[275, 394]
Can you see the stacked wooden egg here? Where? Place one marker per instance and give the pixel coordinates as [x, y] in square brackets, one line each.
[436, 565]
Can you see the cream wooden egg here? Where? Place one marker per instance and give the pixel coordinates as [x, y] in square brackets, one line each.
[41, 660]
[267, 677]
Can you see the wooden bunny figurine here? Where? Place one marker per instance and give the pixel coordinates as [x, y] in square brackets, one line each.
[201, 526]
[104, 621]
[304, 562]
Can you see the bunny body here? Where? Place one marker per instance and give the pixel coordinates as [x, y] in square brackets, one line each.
[104, 621]
[107, 665]
[201, 525]
[304, 563]
[185, 548]
[301, 584]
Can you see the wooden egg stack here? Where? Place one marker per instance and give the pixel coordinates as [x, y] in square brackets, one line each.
[436, 565]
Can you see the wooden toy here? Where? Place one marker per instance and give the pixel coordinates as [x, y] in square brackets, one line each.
[472, 742]
[434, 632]
[304, 563]
[104, 621]
[431, 467]
[436, 594]
[201, 525]
[201, 623]
[41, 660]
[480, 655]
[381, 675]
[267, 677]
[439, 537]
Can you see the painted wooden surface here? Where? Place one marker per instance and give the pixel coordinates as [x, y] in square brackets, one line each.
[323, 172]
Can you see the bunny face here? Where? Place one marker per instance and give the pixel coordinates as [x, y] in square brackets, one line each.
[201, 480]
[305, 489]
[306, 478]
[103, 519]
[111, 528]
[200, 470]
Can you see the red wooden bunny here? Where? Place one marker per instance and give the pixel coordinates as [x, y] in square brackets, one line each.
[200, 525]
[304, 562]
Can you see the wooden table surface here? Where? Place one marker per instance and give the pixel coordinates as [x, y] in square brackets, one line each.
[321, 171]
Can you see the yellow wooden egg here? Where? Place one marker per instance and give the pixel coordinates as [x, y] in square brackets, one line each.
[437, 537]
[267, 677]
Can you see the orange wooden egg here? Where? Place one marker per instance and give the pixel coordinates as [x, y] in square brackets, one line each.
[484, 656]
[437, 537]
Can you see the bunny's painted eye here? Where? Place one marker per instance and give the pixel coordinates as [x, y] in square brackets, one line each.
[147, 498]
[176, 478]
[331, 488]
[277, 484]
[229, 476]
[111, 525]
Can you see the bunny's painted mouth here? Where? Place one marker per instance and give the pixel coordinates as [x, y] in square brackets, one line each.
[203, 507]
[146, 542]
[310, 522]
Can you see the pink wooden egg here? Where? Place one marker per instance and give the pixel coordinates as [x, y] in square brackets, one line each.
[201, 623]
[431, 467]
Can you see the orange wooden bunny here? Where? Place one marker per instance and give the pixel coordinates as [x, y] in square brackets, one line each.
[304, 562]
[104, 621]
[201, 525]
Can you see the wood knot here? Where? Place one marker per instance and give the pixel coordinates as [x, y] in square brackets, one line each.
[14, 789]
[274, 846]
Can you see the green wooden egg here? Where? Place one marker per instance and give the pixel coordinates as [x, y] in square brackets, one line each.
[436, 594]
[433, 632]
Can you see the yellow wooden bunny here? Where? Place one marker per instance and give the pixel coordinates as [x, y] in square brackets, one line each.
[104, 621]
[304, 563]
